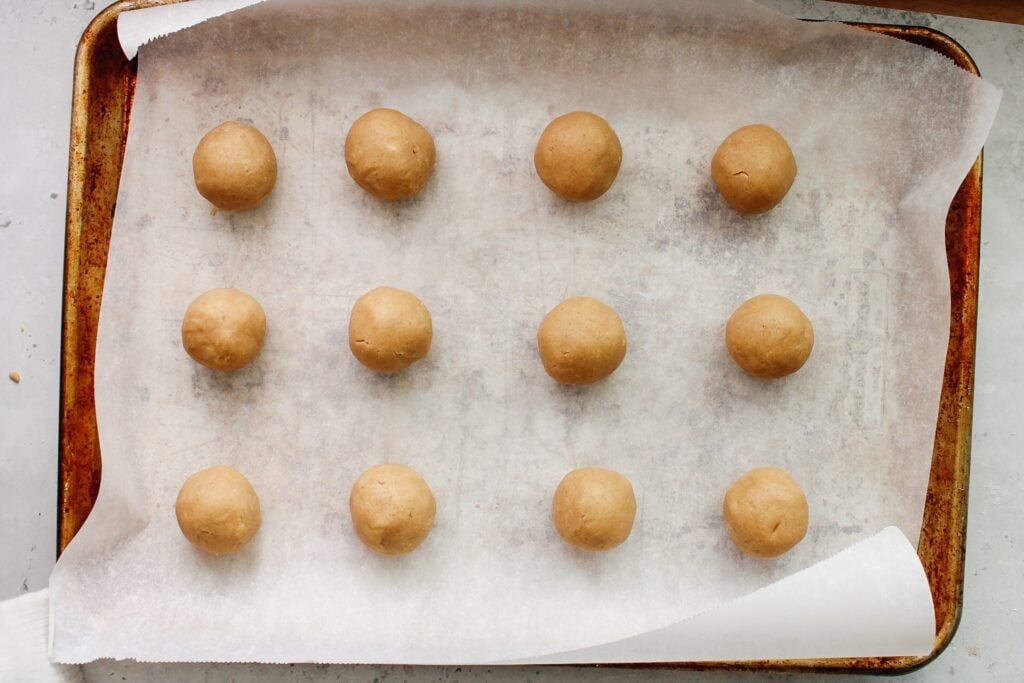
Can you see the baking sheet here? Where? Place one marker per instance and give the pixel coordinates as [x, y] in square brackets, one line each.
[490, 250]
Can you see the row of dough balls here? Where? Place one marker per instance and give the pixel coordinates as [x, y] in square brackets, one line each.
[393, 510]
[392, 157]
[581, 340]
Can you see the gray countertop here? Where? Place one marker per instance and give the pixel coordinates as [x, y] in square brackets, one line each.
[38, 41]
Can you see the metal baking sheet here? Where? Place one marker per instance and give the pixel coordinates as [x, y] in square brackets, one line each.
[104, 85]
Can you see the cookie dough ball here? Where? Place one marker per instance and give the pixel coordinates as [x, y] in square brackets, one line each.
[234, 166]
[224, 329]
[769, 337]
[578, 156]
[581, 341]
[594, 508]
[765, 512]
[218, 510]
[392, 509]
[754, 168]
[389, 155]
[389, 329]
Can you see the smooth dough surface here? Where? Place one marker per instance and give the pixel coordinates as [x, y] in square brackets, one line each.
[581, 341]
[765, 512]
[754, 168]
[594, 508]
[218, 510]
[235, 167]
[769, 336]
[389, 155]
[392, 509]
[578, 156]
[223, 329]
[389, 329]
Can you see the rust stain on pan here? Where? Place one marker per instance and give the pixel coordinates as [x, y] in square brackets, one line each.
[104, 85]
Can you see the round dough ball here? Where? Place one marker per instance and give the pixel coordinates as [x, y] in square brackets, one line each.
[765, 512]
[218, 510]
[578, 156]
[594, 508]
[234, 166]
[581, 341]
[392, 509]
[754, 168]
[389, 329]
[223, 329]
[769, 337]
[389, 155]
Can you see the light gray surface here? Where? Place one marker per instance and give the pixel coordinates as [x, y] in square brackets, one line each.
[38, 41]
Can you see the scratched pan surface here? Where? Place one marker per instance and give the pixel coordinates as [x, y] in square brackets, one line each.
[104, 85]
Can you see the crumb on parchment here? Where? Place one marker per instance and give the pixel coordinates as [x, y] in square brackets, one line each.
[14, 377]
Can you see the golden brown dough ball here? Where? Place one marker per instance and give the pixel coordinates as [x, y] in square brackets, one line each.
[578, 156]
[581, 341]
[234, 166]
[389, 329]
[754, 168]
[223, 329]
[392, 509]
[765, 512]
[769, 337]
[389, 155]
[594, 508]
[218, 510]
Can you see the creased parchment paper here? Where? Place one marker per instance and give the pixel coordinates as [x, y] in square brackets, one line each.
[883, 133]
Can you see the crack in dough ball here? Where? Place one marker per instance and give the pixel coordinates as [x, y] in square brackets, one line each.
[234, 166]
[754, 168]
[581, 341]
[389, 155]
[218, 510]
[389, 329]
[392, 509]
[594, 508]
[769, 336]
[223, 329]
[765, 512]
[578, 156]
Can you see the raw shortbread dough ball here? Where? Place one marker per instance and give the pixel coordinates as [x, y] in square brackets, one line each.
[389, 329]
[223, 329]
[765, 512]
[389, 155]
[234, 166]
[754, 168]
[769, 337]
[581, 341]
[594, 508]
[578, 156]
[392, 509]
[218, 510]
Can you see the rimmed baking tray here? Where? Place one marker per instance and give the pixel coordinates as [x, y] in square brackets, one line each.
[104, 85]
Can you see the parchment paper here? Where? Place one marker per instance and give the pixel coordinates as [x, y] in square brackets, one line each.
[883, 133]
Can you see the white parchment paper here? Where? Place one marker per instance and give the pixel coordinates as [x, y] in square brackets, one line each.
[883, 133]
